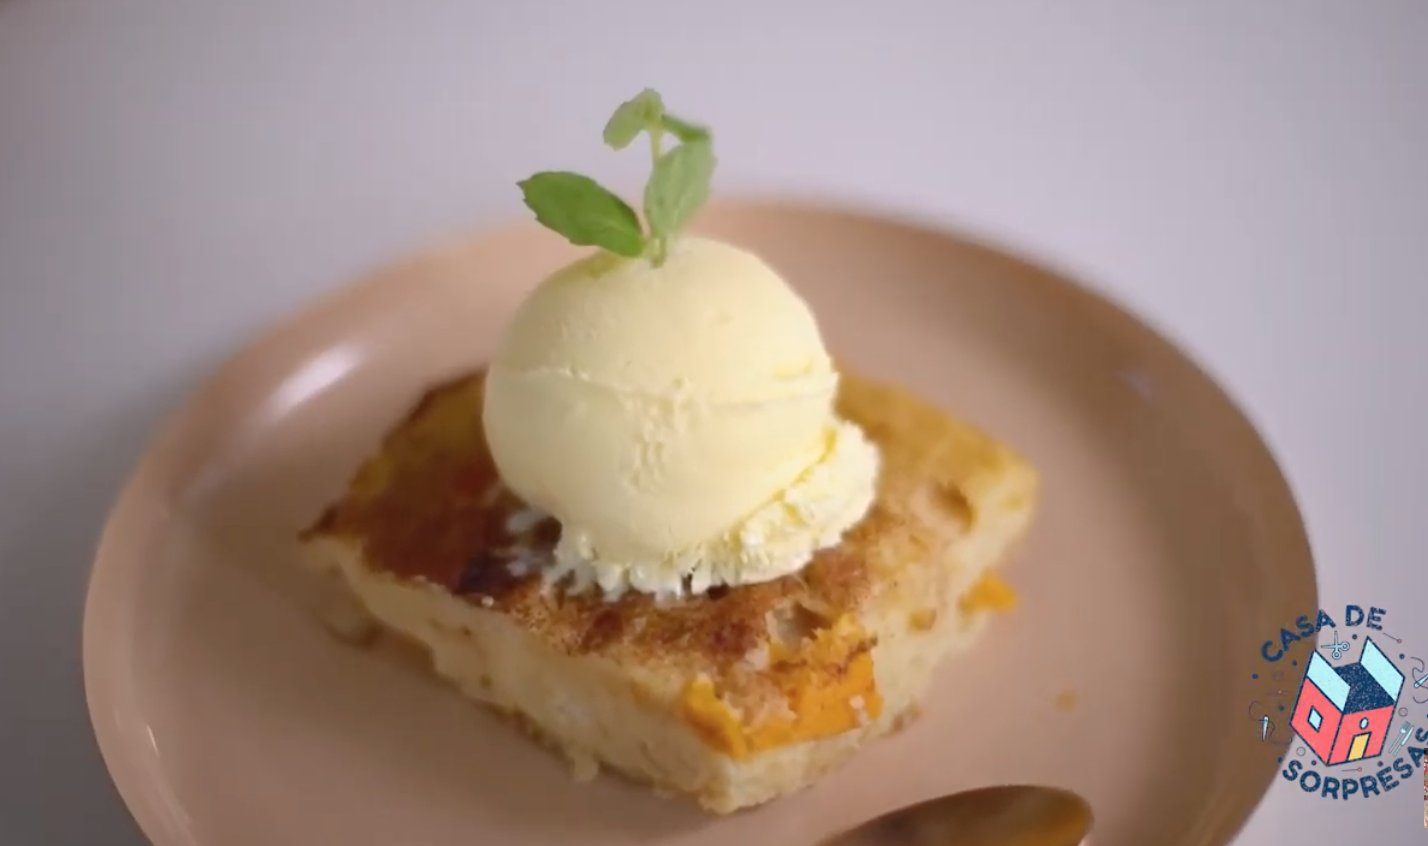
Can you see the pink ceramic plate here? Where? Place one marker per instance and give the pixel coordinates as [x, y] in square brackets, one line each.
[1167, 549]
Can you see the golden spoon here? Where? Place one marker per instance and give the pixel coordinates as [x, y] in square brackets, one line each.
[1017, 815]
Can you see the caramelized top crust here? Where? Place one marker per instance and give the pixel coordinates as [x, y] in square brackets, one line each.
[429, 506]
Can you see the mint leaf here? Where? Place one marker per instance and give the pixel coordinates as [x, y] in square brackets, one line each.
[683, 129]
[642, 112]
[678, 187]
[584, 211]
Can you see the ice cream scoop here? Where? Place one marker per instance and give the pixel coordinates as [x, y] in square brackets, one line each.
[677, 420]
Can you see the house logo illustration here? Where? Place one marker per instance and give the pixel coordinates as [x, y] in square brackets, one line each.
[1344, 703]
[1344, 713]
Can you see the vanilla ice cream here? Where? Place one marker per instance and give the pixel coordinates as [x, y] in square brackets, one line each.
[678, 421]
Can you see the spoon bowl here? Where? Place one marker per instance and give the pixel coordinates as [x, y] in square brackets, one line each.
[1012, 815]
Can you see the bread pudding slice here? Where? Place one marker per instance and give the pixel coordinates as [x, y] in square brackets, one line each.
[735, 697]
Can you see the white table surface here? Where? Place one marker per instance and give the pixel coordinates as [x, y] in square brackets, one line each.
[1251, 175]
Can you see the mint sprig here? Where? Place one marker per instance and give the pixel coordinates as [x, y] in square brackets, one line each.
[588, 214]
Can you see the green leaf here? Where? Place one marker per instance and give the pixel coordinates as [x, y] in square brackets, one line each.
[584, 211]
[678, 187]
[683, 129]
[642, 112]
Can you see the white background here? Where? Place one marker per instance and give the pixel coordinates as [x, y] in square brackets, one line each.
[1251, 175]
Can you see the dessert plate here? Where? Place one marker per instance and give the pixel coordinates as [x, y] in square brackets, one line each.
[1168, 547]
